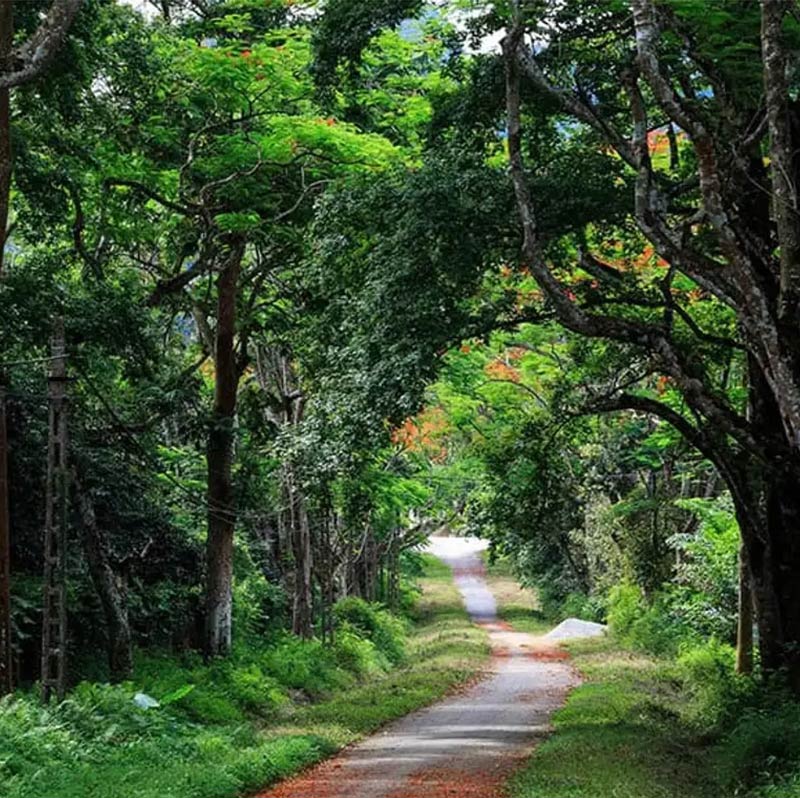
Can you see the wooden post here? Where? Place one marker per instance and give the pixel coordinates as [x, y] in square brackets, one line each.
[54, 615]
[6, 680]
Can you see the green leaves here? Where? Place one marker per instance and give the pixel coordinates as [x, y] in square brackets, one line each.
[237, 222]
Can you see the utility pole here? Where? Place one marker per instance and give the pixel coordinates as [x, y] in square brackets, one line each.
[54, 616]
[6, 679]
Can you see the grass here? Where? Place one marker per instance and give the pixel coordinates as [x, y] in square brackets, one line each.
[516, 605]
[99, 745]
[620, 734]
[643, 726]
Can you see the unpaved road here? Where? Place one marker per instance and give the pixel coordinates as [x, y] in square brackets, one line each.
[465, 746]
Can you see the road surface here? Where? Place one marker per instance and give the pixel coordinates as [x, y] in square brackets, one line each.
[465, 746]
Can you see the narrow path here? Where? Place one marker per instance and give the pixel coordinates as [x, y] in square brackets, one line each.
[466, 745]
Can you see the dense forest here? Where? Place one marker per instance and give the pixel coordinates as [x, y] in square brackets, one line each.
[287, 287]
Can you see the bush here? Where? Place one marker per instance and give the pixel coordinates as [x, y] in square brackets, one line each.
[31, 738]
[647, 627]
[356, 654]
[715, 691]
[385, 630]
[220, 692]
[258, 606]
[579, 605]
[625, 606]
[705, 595]
[784, 787]
[763, 745]
[305, 665]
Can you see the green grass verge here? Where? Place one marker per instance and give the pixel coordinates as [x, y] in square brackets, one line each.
[97, 745]
[620, 734]
[515, 605]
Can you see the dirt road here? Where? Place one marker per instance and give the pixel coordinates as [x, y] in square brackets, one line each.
[465, 746]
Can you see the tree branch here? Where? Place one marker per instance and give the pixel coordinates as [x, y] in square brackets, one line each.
[184, 209]
[28, 61]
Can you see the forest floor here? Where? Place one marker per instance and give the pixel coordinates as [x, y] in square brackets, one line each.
[468, 744]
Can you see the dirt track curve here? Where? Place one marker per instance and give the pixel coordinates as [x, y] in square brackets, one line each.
[465, 746]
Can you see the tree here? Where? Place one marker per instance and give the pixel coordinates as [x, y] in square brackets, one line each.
[717, 226]
[19, 65]
[652, 159]
[229, 181]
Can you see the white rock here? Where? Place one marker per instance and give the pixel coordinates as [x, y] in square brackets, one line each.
[144, 701]
[574, 627]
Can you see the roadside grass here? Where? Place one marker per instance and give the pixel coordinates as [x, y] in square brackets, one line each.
[516, 605]
[620, 734]
[445, 650]
[99, 745]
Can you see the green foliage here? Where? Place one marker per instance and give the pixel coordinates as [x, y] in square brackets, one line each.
[763, 746]
[625, 607]
[715, 693]
[305, 665]
[376, 624]
[357, 655]
[705, 593]
[652, 627]
[242, 725]
[258, 605]
[346, 27]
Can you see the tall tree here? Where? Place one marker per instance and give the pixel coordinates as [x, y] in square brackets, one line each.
[712, 226]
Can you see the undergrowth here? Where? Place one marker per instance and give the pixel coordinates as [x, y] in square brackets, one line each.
[679, 724]
[240, 724]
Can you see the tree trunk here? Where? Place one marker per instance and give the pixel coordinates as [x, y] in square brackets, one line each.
[109, 588]
[221, 509]
[6, 677]
[302, 609]
[768, 510]
[744, 630]
[6, 42]
[393, 573]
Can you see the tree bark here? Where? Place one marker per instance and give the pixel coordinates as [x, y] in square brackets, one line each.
[6, 677]
[744, 627]
[277, 378]
[768, 510]
[783, 154]
[110, 589]
[221, 506]
[302, 614]
[28, 61]
[6, 44]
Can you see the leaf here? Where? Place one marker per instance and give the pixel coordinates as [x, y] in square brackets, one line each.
[177, 695]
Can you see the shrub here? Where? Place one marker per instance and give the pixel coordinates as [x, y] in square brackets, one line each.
[253, 690]
[715, 691]
[763, 745]
[305, 665]
[579, 605]
[658, 630]
[625, 607]
[706, 593]
[385, 630]
[258, 606]
[647, 627]
[31, 737]
[356, 654]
